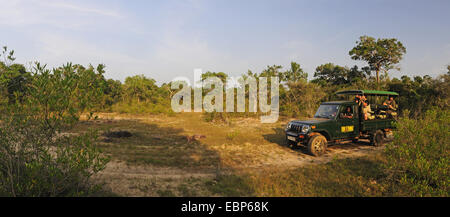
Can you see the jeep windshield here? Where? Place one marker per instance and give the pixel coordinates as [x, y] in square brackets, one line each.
[327, 111]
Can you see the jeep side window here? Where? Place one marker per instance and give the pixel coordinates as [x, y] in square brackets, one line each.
[346, 113]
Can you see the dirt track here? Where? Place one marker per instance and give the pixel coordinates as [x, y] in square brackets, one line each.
[255, 147]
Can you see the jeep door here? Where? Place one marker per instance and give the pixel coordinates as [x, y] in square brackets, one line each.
[348, 127]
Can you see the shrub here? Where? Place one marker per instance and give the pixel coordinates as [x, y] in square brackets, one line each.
[301, 99]
[418, 158]
[34, 163]
[36, 158]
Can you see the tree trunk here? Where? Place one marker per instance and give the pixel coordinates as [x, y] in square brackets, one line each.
[378, 79]
[378, 76]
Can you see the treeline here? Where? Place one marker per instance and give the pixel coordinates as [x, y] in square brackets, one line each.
[37, 105]
[298, 95]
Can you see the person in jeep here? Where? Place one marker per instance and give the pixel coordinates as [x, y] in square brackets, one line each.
[392, 106]
[348, 113]
[365, 107]
[358, 99]
[336, 121]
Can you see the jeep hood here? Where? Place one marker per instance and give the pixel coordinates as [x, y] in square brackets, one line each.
[311, 121]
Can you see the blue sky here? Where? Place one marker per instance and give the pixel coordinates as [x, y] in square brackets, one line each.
[166, 39]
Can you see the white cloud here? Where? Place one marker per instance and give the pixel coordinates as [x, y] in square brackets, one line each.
[16, 13]
[78, 8]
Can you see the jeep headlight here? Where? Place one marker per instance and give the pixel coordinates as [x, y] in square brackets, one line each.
[288, 126]
[305, 128]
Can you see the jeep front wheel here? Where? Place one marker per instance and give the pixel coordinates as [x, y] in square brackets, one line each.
[317, 145]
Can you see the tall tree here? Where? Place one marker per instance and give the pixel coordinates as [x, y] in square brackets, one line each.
[380, 54]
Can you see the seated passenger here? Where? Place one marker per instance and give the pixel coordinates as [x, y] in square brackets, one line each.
[392, 107]
[367, 112]
[358, 99]
[381, 114]
[348, 113]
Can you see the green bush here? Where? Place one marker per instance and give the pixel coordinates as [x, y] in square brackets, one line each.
[419, 156]
[34, 163]
[36, 157]
[301, 99]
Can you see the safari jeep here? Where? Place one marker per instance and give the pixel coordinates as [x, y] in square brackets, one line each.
[342, 120]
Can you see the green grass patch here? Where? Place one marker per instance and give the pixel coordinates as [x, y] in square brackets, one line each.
[230, 186]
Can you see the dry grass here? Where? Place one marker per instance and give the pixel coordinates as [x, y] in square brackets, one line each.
[238, 158]
[341, 177]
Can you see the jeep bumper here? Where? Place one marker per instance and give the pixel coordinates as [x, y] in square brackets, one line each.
[296, 137]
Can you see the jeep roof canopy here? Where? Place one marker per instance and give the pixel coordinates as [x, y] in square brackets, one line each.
[338, 102]
[367, 92]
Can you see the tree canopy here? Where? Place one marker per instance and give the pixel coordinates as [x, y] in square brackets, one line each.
[295, 73]
[332, 73]
[380, 54]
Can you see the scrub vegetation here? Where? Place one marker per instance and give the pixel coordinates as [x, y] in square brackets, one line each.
[69, 131]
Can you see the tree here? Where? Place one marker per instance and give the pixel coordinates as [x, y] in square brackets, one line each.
[331, 73]
[14, 80]
[140, 87]
[295, 73]
[8, 56]
[272, 71]
[221, 75]
[380, 54]
[354, 74]
[112, 92]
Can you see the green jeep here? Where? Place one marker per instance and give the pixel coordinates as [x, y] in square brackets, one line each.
[342, 120]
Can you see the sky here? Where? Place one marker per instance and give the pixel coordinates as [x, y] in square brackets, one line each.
[166, 39]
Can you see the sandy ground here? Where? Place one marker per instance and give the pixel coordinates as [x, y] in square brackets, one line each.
[248, 152]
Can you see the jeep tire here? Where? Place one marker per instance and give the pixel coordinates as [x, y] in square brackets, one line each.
[377, 139]
[317, 145]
